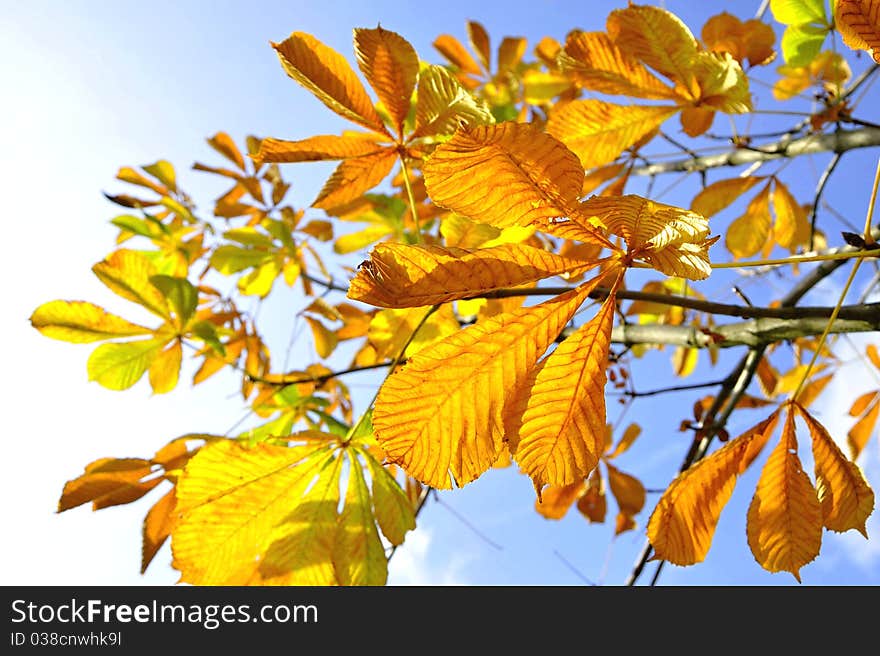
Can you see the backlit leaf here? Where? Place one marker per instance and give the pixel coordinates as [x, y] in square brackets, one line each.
[683, 523]
[443, 104]
[163, 171]
[81, 322]
[696, 120]
[858, 436]
[109, 482]
[629, 436]
[801, 43]
[165, 368]
[391, 66]
[595, 62]
[119, 366]
[630, 495]
[325, 339]
[390, 329]
[393, 510]
[397, 275]
[358, 555]
[792, 229]
[181, 295]
[441, 417]
[847, 499]
[510, 53]
[598, 132]
[718, 195]
[859, 24]
[556, 427]
[785, 517]
[506, 174]
[748, 233]
[325, 73]
[593, 505]
[456, 53]
[797, 12]
[223, 144]
[479, 40]
[354, 177]
[752, 39]
[128, 273]
[556, 501]
[158, 523]
[319, 148]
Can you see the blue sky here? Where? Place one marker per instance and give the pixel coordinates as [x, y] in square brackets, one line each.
[91, 87]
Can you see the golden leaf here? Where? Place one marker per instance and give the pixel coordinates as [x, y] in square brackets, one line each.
[325, 339]
[556, 501]
[358, 555]
[785, 517]
[626, 441]
[109, 482]
[751, 40]
[165, 368]
[443, 104]
[441, 417]
[353, 177]
[235, 502]
[157, 527]
[858, 436]
[718, 195]
[873, 356]
[390, 329]
[598, 132]
[656, 37]
[506, 174]
[556, 425]
[82, 322]
[595, 62]
[325, 73]
[862, 402]
[828, 69]
[479, 40]
[393, 510]
[319, 148]
[510, 53]
[128, 273]
[720, 83]
[748, 233]
[224, 144]
[683, 523]
[629, 493]
[593, 504]
[858, 22]
[847, 499]
[696, 120]
[455, 52]
[397, 275]
[391, 66]
[792, 229]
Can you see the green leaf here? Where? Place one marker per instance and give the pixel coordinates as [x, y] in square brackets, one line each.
[207, 332]
[232, 259]
[164, 173]
[180, 294]
[801, 43]
[118, 366]
[249, 237]
[798, 12]
[178, 208]
[134, 225]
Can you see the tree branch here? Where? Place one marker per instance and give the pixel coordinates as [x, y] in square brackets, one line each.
[837, 142]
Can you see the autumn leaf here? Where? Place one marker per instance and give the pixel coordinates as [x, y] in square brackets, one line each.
[860, 433]
[807, 26]
[109, 482]
[719, 195]
[358, 554]
[629, 493]
[858, 22]
[442, 104]
[157, 527]
[556, 501]
[784, 525]
[747, 234]
[828, 70]
[82, 322]
[751, 40]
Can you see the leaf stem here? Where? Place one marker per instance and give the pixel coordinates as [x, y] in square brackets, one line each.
[412, 199]
[798, 259]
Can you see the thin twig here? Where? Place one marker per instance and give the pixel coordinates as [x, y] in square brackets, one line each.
[820, 187]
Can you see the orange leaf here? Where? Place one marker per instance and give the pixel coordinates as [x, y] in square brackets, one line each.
[861, 403]
[443, 104]
[629, 436]
[683, 523]
[354, 177]
[847, 499]
[719, 195]
[325, 73]
[792, 229]
[785, 517]
[696, 120]
[858, 436]
[319, 148]
[456, 53]
[813, 389]
[858, 22]
[510, 53]
[223, 144]
[157, 527]
[441, 417]
[595, 62]
[506, 174]
[391, 66]
[593, 505]
[873, 356]
[109, 482]
[556, 501]
[629, 493]
[397, 275]
[598, 132]
[556, 427]
[479, 40]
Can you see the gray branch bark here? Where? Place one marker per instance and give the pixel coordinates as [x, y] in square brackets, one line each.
[836, 142]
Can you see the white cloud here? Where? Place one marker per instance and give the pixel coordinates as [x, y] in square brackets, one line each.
[411, 564]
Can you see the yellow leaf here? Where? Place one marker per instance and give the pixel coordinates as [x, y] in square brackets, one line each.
[358, 555]
[353, 177]
[109, 482]
[791, 379]
[128, 174]
[510, 53]
[684, 361]
[541, 87]
[325, 339]
[393, 510]
[390, 329]
[506, 174]
[391, 66]
[813, 389]
[443, 104]
[157, 527]
[828, 69]
[629, 493]
[259, 282]
[792, 229]
[858, 22]
[720, 83]
[81, 322]
[397, 275]
[683, 523]
[593, 504]
[556, 425]
[249, 515]
[785, 517]
[441, 417]
[595, 62]
[598, 132]
[355, 241]
[629, 436]
[128, 273]
[325, 73]
[858, 436]
[556, 501]
[163, 171]
[461, 232]
[118, 366]
[319, 148]
[165, 369]
[847, 499]
[719, 195]
[656, 37]
[748, 233]
[451, 48]
[479, 40]
[223, 144]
